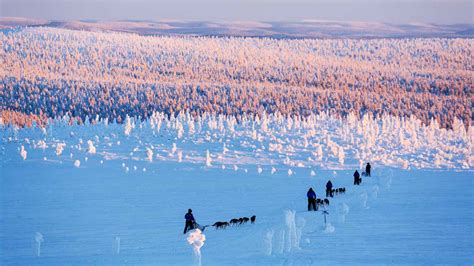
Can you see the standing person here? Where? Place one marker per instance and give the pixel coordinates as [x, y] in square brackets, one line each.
[189, 221]
[367, 169]
[329, 189]
[356, 178]
[311, 200]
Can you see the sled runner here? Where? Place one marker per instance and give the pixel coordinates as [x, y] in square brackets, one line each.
[200, 227]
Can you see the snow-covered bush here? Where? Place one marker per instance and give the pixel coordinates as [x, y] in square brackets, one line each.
[41, 144]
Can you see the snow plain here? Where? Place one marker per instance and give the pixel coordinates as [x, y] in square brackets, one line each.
[123, 205]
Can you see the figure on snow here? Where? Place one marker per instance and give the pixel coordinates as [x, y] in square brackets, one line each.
[357, 179]
[311, 200]
[189, 221]
[367, 169]
[329, 189]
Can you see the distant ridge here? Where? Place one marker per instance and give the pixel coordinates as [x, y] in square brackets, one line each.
[301, 29]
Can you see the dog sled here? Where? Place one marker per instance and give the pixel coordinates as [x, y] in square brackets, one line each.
[200, 227]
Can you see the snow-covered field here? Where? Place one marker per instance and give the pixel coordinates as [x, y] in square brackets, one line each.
[117, 194]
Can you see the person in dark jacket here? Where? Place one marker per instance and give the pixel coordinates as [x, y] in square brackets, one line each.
[189, 221]
[311, 200]
[357, 179]
[329, 189]
[367, 169]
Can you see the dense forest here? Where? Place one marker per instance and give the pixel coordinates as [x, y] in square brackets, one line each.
[55, 72]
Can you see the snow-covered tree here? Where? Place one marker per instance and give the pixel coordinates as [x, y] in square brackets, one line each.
[91, 148]
[128, 126]
[149, 154]
[208, 159]
[174, 148]
[341, 155]
[23, 152]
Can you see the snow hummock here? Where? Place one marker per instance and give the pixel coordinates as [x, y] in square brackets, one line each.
[329, 228]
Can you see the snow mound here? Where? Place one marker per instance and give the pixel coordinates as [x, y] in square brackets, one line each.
[329, 228]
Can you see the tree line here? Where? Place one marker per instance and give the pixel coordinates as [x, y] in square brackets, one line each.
[55, 72]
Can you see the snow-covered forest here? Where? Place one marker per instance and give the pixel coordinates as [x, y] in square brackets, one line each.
[49, 73]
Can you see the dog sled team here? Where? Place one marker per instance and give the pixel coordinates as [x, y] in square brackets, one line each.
[357, 178]
[313, 205]
[192, 224]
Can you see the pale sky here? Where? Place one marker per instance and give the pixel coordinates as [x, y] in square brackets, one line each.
[393, 11]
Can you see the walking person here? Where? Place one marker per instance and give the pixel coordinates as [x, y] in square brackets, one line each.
[189, 221]
[329, 189]
[311, 200]
[357, 178]
[367, 169]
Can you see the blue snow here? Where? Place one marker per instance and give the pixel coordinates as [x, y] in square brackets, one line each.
[417, 216]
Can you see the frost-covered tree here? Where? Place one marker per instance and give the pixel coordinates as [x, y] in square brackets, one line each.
[173, 148]
[341, 155]
[425, 78]
[23, 152]
[149, 154]
[91, 148]
[208, 159]
[128, 126]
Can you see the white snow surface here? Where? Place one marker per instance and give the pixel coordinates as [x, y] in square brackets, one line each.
[106, 212]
